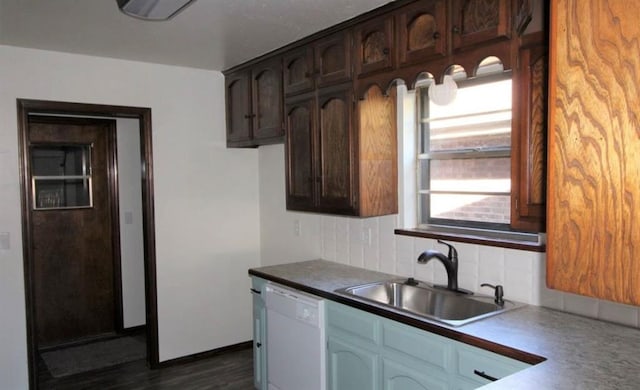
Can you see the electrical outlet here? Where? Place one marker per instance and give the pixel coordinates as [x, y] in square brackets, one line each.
[297, 229]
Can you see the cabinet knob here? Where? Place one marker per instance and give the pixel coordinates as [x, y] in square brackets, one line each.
[258, 345]
[386, 51]
[436, 35]
[456, 30]
[247, 116]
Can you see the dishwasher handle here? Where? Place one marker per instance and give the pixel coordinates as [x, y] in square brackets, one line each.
[254, 291]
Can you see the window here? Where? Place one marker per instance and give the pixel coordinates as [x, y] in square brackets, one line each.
[61, 176]
[464, 149]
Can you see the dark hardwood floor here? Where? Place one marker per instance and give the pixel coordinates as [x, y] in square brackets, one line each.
[229, 371]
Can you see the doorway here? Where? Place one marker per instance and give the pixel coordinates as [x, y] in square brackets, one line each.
[67, 198]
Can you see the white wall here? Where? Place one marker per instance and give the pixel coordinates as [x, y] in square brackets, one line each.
[206, 196]
[522, 273]
[131, 229]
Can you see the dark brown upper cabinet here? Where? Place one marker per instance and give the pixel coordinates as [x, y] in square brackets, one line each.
[341, 160]
[374, 43]
[298, 70]
[422, 31]
[255, 105]
[325, 62]
[529, 137]
[299, 152]
[238, 97]
[319, 149]
[479, 21]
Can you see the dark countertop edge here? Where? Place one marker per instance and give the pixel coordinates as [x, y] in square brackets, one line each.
[427, 325]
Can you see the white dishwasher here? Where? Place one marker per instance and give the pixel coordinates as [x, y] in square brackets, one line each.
[295, 340]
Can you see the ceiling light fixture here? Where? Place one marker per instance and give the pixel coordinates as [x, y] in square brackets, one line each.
[153, 9]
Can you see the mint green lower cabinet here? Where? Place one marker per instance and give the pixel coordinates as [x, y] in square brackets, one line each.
[368, 352]
[259, 334]
[351, 367]
[398, 376]
[472, 363]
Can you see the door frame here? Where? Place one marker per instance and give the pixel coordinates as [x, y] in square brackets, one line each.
[25, 107]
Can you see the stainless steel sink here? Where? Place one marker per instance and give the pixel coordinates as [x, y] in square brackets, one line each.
[452, 308]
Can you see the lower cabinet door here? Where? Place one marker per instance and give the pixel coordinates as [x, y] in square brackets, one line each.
[259, 346]
[351, 367]
[398, 376]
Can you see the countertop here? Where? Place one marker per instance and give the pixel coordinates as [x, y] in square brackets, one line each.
[578, 352]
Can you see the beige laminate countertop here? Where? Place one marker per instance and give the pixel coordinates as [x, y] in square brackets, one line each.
[580, 353]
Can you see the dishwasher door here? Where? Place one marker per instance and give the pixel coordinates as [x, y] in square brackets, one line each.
[295, 340]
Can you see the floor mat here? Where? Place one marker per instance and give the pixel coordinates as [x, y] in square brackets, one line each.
[93, 356]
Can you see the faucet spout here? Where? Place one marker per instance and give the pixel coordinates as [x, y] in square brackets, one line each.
[450, 263]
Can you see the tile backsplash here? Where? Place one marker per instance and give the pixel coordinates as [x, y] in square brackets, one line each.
[370, 243]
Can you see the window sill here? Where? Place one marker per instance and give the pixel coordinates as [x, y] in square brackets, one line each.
[473, 238]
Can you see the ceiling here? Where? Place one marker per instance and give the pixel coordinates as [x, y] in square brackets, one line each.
[209, 34]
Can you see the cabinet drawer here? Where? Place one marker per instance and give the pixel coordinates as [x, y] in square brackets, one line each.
[356, 323]
[477, 364]
[416, 344]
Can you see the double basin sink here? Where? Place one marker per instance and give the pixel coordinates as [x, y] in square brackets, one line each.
[453, 308]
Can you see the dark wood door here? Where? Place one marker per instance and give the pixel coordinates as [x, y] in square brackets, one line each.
[477, 21]
[335, 157]
[267, 104]
[333, 59]
[238, 97]
[529, 137]
[422, 31]
[300, 163]
[298, 71]
[374, 46]
[72, 223]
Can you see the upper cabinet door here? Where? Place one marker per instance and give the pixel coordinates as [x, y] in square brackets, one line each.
[300, 163]
[298, 71]
[333, 59]
[529, 139]
[594, 160]
[477, 21]
[422, 31]
[267, 99]
[374, 46]
[238, 107]
[335, 145]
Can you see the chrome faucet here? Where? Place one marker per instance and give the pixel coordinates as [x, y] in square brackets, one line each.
[450, 263]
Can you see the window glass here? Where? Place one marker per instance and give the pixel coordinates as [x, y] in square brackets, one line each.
[61, 176]
[464, 164]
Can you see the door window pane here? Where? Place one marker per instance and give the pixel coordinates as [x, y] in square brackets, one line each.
[61, 176]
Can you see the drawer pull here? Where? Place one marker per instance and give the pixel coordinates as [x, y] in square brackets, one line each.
[253, 290]
[485, 376]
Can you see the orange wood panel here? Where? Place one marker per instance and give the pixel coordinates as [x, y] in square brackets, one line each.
[594, 149]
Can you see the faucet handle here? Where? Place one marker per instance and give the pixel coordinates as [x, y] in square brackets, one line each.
[499, 293]
[453, 253]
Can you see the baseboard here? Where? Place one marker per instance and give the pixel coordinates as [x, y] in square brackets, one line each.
[134, 330]
[206, 354]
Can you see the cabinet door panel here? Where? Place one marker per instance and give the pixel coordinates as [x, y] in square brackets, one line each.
[351, 367]
[333, 59]
[594, 160]
[267, 100]
[397, 376]
[422, 32]
[529, 137]
[477, 21]
[299, 155]
[259, 345]
[374, 46]
[335, 152]
[298, 71]
[238, 107]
